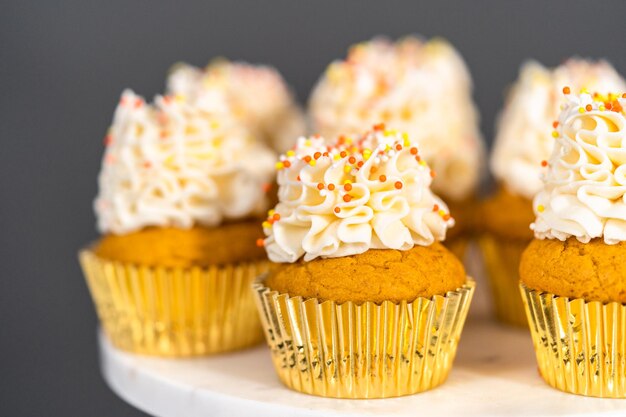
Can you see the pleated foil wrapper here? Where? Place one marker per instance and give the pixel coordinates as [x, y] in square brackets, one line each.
[580, 346]
[175, 312]
[362, 351]
[501, 259]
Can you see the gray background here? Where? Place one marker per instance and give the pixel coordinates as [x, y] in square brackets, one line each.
[63, 65]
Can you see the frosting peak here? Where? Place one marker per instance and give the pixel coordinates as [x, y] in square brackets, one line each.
[524, 129]
[585, 185]
[343, 197]
[173, 164]
[415, 86]
[255, 95]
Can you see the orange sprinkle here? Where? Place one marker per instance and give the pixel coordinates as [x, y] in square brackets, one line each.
[544, 163]
[276, 217]
[325, 154]
[566, 90]
[398, 185]
[352, 159]
[432, 173]
[266, 187]
[360, 164]
[588, 107]
[436, 207]
[347, 187]
[608, 106]
[398, 147]
[307, 159]
[413, 151]
[331, 187]
[347, 198]
[260, 242]
[287, 164]
[317, 155]
[382, 178]
[418, 158]
[343, 154]
[379, 126]
[624, 95]
[555, 124]
[298, 178]
[320, 186]
[446, 217]
[337, 209]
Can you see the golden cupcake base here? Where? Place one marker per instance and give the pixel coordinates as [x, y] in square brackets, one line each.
[501, 258]
[362, 351]
[580, 346]
[174, 311]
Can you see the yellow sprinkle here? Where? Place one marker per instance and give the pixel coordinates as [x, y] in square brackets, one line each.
[312, 162]
[367, 154]
[347, 169]
[423, 163]
[291, 153]
[271, 212]
[337, 157]
[540, 208]
[442, 213]
[180, 98]
[348, 141]
[602, 108]
[555, 134]
[347, 182]
[388, 147]
[307, 142]
[581, 110]
[584, 91]
[266, 225]
[280, 165]
[407, 142]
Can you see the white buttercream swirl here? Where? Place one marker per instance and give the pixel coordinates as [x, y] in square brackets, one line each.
[173, 164]
[333, 201]
[585, 187]
[256, 95]
[422, 88]
[524, 129]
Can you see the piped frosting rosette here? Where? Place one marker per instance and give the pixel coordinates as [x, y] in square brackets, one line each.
[256, 95]
[524, 131]
[422, 88]
[349, 195]
[585, 185]
[172, 163]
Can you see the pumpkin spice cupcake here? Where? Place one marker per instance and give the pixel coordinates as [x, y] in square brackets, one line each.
[179, 193]
[573, 274]
[363, 302]
[524, 141]
[255, 95]
[420, 87]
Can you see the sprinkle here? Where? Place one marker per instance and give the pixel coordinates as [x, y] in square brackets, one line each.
[609, 106]
[544, 163]
[602, 108]
[317, 155]
[280, 165]
[266, 187]
[588, 107]
[413, 151]
[291, 153]
[360, 164]
[352, 159]
[347, 169]
[271, 212]
[398, 147]
[540, 208]
[405, 137]
[260, 242]
[566, 90]
[347, 198]
[442, 213]
[320, 186]
[382, 178]
[379, 126]
[432, 173]
[366, 154]
[447, 217]
[266, 225]
[624, 95]
[337, 210]
[331, 187]
[343, 154]
[276, 217]
[287, 164]
[337, 157]
[307, 159]
[347, 187]
[436, 207]
[398, 185]
[581, 110]
[555, 124]
[312, 162]
[298, 178]
[555, 134]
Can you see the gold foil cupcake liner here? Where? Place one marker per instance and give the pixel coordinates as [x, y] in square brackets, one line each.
[580, 346]
[501, 258]
[175, 311]
[362, 351]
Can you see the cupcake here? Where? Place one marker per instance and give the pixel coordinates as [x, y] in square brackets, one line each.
[256, 95]
[363, 300]
[524, 141]
[415, 86]
[573, 274]
[180, 194]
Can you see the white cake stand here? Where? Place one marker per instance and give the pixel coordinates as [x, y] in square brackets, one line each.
[494, 375]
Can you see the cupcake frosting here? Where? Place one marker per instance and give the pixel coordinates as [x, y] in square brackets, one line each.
[422, 88]
[524, 131]
[584, 195]
[171, 163]
[343, 197]
[256, 95]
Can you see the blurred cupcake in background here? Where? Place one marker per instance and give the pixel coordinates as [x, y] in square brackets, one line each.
[364, 302]
[573, 273]
[180, 194]
[256, 95]
[414, 86]
[524, 141]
